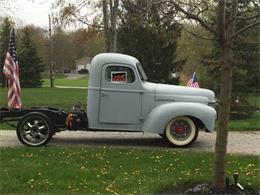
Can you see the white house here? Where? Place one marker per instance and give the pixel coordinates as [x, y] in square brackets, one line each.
[83, 63]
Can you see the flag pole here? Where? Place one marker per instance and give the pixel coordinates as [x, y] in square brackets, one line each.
[193, 76]
[50, 53]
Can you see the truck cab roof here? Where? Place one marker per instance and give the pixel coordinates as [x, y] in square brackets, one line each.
[107, 58]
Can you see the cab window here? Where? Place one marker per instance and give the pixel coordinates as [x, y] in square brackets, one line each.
[119, 74]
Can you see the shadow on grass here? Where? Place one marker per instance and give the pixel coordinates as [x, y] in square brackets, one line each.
[144, 143]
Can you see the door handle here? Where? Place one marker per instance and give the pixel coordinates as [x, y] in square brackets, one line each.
[103, 94]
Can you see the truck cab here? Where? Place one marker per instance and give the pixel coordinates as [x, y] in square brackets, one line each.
[120, 98]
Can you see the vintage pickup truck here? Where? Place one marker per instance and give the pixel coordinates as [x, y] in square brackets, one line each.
[121, 99]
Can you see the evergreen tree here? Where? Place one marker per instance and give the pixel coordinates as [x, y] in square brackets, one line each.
[29, 62]
[151, 39]
[246, 52]
[4, 43]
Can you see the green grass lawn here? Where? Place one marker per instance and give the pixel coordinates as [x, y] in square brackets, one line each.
[252, 123]
[63, 81]
[57, 76]
[52, 97]
[254, 100]
[57, 170]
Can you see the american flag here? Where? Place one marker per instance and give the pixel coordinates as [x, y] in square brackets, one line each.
[11, 72]
[193, 82]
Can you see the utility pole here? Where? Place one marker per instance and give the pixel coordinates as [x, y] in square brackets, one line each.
[51, 53]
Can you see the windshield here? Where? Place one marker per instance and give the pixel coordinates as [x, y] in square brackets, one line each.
[141, 72]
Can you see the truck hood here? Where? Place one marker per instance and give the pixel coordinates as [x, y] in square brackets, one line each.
[183, 94]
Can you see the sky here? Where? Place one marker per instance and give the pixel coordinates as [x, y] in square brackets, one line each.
[30, 12]
[36, 12]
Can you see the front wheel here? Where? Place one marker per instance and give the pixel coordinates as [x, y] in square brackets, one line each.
[181, 131]
[34, 129]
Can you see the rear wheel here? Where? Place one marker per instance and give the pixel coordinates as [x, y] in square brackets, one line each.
[35, 129]
[181, 131]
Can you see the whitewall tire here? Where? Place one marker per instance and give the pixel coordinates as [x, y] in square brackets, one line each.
[181, 131]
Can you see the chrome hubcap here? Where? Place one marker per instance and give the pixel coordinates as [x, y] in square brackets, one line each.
[35, 131]
[180, 130]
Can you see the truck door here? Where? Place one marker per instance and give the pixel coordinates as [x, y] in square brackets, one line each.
[120, 95]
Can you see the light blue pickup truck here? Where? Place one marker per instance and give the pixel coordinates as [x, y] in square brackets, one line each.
[121, 99]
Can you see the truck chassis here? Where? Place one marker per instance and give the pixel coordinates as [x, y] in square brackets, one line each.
[37, 125]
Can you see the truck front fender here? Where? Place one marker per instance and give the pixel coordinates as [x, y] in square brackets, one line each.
[158, 118]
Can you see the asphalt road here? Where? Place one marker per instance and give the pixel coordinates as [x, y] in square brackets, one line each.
[238, 142]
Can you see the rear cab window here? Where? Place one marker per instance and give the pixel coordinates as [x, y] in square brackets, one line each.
[119, 74]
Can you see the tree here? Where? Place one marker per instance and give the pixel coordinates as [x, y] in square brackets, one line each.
[5, 37]
[88, 42]
[152, 40]
[225, 32]
[71, 13]
[194, 50]
[110, 23]
[41, 41]
[29, 62]
[64, 54]
[246, 52]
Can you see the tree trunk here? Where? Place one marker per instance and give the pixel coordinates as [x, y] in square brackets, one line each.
[224, 111]
[106, 24]
[110, 24]
[226, 45]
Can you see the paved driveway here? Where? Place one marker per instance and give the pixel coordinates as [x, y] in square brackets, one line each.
[238, 142]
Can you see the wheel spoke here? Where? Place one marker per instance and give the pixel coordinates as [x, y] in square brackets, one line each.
[41, 135]
[41, 127]
[26, 132]
[36, 122]
[29, 125]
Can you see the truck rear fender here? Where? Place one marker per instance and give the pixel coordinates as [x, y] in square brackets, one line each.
[158, 118]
